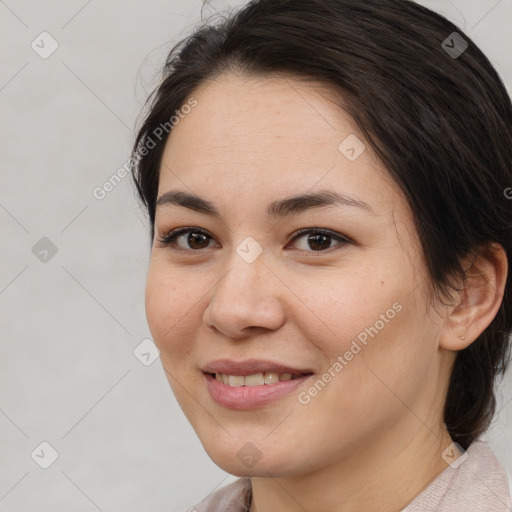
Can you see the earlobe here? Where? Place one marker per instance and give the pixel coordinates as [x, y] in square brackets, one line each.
[479, 301]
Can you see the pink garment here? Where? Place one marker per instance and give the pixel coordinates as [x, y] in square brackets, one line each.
[479, 484]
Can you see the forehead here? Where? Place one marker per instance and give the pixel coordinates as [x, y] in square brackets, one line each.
[247, 115]
[271, 135]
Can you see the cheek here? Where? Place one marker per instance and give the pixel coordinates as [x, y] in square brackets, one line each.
[352, 304]
[171, 310]
[378, 365]
[374, 323]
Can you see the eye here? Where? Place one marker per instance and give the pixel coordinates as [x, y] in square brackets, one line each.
[197, 239]
[317, 239]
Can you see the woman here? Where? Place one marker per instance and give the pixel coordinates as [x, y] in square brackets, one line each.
[331, 238]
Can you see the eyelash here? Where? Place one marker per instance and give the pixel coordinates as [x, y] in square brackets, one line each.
[168, 239]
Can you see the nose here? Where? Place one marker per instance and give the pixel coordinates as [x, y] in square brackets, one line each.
[246, 298]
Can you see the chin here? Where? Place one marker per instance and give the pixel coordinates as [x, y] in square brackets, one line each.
[248, 460]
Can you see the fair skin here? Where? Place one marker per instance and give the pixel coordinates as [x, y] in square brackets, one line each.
[372, 439]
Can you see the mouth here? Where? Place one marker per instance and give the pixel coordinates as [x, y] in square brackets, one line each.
[252, 383]
[251, 367]
[255, 379]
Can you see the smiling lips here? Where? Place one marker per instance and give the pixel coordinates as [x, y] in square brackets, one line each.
[251, 372]
[250, 383]
[255, 379]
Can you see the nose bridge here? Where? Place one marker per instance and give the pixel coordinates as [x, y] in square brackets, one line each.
[244, 278]
[246, 267]
[244, 296]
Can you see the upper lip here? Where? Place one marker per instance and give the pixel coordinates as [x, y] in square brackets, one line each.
[250, 367]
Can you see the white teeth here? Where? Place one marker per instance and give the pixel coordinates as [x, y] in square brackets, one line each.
[271, 378]
[256, 379]
[236, 380]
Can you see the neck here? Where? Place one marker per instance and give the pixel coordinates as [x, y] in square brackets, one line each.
[384, 475]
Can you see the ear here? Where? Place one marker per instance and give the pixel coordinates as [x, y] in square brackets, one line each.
[480, 299]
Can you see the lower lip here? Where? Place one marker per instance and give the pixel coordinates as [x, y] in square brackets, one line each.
[250, 397]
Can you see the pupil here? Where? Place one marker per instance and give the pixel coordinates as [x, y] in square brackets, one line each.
[193, 237]
[316, 238]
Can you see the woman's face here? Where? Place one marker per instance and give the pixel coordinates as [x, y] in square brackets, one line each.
[352, 312]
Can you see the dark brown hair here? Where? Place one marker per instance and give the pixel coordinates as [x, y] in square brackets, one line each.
[441, 124]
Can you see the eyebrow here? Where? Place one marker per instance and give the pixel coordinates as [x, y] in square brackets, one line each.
[293, 205]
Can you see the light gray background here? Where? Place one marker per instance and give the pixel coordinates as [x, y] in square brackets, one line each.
[69, 325]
